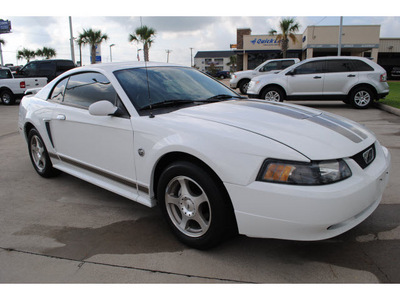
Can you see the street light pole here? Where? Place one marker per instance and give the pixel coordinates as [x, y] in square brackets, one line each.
[168, 52]
[71, 40]
[112, 45]
[191, 57]
[340, 37]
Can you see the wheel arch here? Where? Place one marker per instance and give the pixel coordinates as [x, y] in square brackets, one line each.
[4, 88]
[28, 127]
[172, 157]
[361, 85]
[242, 80]
[273, 85]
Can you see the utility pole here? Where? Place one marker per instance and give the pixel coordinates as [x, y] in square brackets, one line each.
[71, 40]
[340, 37]
[191, 57]
[168, 52]
[112, 45]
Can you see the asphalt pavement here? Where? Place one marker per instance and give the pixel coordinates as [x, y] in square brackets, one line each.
[65, 230]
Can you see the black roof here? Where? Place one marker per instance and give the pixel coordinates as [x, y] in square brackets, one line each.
[211, 54]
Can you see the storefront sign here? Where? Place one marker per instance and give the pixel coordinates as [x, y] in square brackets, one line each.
[265, 42]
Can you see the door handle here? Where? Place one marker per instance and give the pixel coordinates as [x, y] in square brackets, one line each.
[317, 77]
[351, 75]
[61, 117]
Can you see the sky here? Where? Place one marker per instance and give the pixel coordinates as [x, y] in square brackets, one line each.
[180, 25]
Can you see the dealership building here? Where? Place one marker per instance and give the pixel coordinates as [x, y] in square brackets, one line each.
[252, 50]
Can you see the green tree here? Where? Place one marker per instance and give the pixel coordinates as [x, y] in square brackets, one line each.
[46, 52]
[288, 27]
[232, 63]
[145, 35]
[26, 53]
[92, 38]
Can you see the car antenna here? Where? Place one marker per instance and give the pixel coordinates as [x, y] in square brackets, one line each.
[147, 79]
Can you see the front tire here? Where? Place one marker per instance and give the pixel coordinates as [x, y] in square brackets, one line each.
[194, 205]
[272, 94]
[361, 97]
[39, 156]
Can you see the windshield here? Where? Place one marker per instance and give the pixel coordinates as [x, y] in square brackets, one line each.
[178, 85]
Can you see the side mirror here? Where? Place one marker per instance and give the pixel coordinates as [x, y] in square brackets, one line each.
[102, 108]
[291, 73]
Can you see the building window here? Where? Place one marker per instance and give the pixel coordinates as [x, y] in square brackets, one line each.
[219, 61]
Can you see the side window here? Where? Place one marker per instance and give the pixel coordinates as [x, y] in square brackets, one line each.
[310, 68]
[273, 65]
[86, 88]
[287, 63]
[339, 65]
[58, 92]
[361, 66]
[29, 70]
[5, 73]
[45, 68]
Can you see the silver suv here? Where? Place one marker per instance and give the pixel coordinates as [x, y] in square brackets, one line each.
[355, 80]
[241, 79]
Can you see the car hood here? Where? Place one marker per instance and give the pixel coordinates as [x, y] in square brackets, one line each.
[315, 134]
[246, 73]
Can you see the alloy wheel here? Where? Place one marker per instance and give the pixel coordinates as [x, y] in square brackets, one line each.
[188, 206]
[37, 151]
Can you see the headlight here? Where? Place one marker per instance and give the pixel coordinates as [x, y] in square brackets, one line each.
[314, 173]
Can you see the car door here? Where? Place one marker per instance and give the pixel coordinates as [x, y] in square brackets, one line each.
[101, 145]
[339, 77]
[306, 80]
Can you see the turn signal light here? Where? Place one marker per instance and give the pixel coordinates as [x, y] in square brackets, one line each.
[22, 84]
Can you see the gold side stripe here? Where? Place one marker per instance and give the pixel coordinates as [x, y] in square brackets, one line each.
[123, 181]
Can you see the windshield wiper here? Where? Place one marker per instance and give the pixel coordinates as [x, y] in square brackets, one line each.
[167, 103]
[224, 97]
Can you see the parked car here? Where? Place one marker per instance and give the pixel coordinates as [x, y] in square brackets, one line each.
[241, 79]
[215, 162]
[395, 73]
[13, 88]
[49, 68]
[355, 80]
[223, 74]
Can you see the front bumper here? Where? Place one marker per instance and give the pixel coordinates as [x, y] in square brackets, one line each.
[233, 83]
[269, 210]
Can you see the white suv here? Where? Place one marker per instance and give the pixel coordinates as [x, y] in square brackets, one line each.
[355, 80]
[241, 79]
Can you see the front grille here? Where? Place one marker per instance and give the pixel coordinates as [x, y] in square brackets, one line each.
[365, 157]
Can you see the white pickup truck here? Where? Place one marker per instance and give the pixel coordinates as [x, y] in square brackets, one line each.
[13, 88]
[241, 79]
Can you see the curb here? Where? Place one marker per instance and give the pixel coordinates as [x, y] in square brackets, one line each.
[387, 108]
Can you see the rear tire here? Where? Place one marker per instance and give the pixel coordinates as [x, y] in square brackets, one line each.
[361, 97]
[243, 86]
[194, 204]
[7, 97]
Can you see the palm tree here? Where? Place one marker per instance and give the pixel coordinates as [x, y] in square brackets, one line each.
[93, 38]
[26, 53]
[145, 35]
[288, 27]
[46, 52]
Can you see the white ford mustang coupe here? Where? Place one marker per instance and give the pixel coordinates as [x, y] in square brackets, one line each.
[216, 163]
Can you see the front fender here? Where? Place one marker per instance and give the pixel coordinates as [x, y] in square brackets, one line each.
[235, 155]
